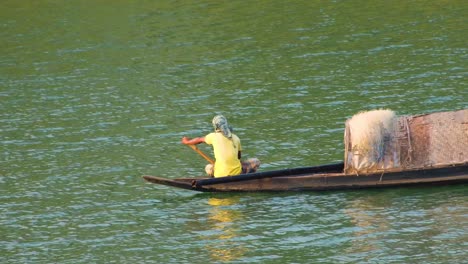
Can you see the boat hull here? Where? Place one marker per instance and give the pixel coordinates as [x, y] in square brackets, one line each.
[325, 180]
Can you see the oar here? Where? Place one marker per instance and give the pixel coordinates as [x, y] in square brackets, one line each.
[202, 154]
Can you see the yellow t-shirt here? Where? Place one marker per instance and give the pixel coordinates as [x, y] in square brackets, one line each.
[225, 151]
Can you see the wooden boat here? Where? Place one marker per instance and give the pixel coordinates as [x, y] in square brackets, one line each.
[319, 178]
[429, 149]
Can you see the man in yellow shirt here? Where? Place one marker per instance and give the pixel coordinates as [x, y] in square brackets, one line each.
[227, 150]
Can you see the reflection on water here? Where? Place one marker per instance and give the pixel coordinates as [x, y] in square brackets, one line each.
[408, 221]
[222, 217]
[363, 216]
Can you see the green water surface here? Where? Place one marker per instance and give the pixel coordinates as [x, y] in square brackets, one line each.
[95, 94]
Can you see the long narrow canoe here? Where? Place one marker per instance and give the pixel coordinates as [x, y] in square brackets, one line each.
[381, 150]
[319, 178]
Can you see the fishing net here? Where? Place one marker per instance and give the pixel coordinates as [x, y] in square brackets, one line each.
[405, 142]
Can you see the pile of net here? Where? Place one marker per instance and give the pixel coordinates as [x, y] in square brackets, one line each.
[380, 140]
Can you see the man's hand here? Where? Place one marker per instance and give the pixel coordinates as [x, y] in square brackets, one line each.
[185, 140]
[192, 141]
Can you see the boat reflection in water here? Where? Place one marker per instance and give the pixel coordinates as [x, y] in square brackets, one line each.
[369, 224]
[222, 218]
[408, 220]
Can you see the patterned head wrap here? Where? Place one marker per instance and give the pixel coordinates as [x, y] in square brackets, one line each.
[220, 124]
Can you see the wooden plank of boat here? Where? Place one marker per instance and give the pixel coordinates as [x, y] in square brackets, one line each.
[195, 183]
[319, 178]
[183, 183]
[341, 181]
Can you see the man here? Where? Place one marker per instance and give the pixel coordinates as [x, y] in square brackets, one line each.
[227, 150]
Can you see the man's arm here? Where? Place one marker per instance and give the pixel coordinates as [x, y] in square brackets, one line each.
[193, 141]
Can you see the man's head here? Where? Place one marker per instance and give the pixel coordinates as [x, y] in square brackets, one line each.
[220, 124]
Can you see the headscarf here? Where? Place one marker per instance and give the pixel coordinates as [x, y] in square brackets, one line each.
[220, 124]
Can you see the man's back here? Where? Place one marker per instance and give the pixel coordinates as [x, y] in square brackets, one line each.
[226, 154]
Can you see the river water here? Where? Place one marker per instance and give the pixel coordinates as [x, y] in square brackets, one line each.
[95, 94]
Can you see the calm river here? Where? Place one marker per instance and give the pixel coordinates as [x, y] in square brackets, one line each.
[95, 94]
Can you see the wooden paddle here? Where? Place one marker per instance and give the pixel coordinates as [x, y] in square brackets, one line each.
[202, 154]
